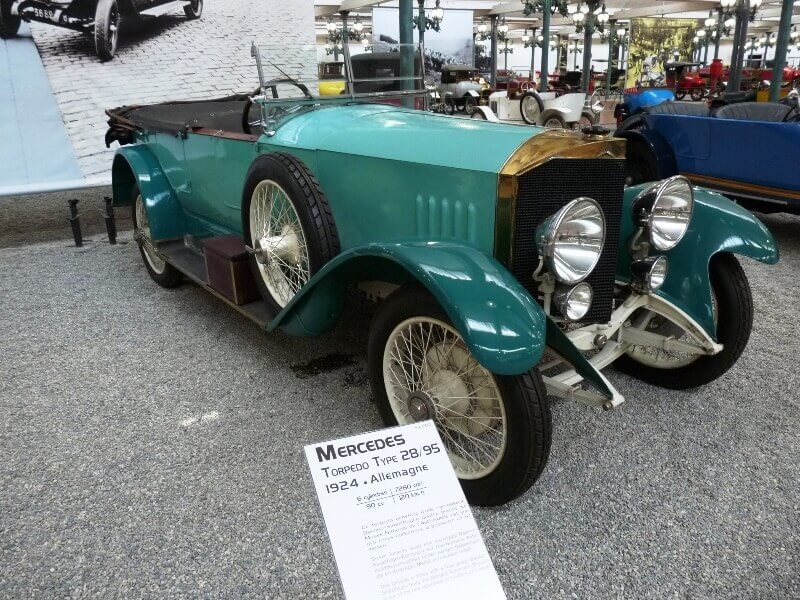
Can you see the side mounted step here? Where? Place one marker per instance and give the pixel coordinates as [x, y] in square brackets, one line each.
[162, 9]
[187, 260]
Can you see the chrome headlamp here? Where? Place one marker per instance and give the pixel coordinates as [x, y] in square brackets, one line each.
[668, 205]
[572, 239]
[649, 273]
[574, 302]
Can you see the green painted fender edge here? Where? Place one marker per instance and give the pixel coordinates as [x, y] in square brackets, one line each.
[137, 165]
[558, 341]
[502, 325]
[718, 225]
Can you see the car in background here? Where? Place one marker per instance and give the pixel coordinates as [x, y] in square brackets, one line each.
[684, 78]
[636, 100]
[513, 83]
[331, 78]
[463, 87]
[101, 19]
[706, 146]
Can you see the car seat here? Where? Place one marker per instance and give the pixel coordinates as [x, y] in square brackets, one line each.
[753, 111]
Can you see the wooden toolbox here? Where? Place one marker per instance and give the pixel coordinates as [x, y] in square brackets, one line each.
[228, 270]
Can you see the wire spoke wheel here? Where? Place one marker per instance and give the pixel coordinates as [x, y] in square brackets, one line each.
[430, 374]
[142, 229]
[278, 237]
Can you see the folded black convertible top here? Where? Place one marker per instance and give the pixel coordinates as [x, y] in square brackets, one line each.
[223, 114]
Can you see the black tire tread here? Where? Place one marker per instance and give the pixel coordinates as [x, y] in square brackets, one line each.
[189, 12]
[734, 331]
[323, 225]
[101, 30]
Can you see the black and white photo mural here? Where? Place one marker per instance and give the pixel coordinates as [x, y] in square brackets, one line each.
[56, 82]
[451, 45]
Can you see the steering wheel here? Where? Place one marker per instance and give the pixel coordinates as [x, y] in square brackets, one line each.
[275, 111]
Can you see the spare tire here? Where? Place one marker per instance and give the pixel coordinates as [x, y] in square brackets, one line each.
[288, 222]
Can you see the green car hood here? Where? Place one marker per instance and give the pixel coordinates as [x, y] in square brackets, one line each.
[394, 133]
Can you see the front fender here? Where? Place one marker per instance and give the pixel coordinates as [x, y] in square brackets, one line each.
[718, 225]
[662, 152]
[136, 165]
[503, 326]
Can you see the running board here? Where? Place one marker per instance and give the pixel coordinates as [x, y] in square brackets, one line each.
[162, 9]
[193, 265]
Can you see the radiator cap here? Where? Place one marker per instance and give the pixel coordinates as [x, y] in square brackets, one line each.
[596, 130]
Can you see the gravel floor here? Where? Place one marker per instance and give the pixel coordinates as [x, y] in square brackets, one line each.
[151, 445]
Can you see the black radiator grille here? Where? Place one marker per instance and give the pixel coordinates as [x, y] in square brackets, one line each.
[544, 190]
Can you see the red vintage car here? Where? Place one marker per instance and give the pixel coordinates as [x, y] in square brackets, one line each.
[513, 83]
[685, 78]
[752, 77]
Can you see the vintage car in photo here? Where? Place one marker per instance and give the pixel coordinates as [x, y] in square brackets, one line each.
[503, 275]
[706, 146]
[102, 19]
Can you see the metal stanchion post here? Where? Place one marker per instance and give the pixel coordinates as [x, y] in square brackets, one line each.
[74, 220]
[111, 225]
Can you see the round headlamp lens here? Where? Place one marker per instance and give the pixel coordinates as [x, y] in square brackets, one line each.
[572, 240]
[671, 212]
[574, 303]
[658, 273]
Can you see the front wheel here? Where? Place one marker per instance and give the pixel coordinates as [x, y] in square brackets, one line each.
[733, 315]
[107, 20]
[194, 10]
[469, 105]
[9, 24]
[496, 428]
[697, 93]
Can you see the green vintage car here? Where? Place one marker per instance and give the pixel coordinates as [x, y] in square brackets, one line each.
[504, 275]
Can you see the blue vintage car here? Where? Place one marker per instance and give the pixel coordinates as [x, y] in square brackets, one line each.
[747, 151]
[636, 102]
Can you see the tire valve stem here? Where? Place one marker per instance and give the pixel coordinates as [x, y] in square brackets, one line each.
[75, 221]
[111, 225]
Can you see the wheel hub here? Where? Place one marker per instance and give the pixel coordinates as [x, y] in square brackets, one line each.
[282, 248]
[420, 406]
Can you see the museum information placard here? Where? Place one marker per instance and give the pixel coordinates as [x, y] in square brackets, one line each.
[397, 518]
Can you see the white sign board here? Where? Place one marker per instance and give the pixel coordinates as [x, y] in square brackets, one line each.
[397, 518]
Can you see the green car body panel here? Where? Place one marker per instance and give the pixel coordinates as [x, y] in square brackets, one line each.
[718, 225]
[414, 201]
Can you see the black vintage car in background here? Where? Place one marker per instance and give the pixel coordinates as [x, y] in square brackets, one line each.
[99, 18]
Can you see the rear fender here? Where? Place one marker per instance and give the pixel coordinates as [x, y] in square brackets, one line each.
[503, 326]
[136, 166]
[662, 152]
[718, 225]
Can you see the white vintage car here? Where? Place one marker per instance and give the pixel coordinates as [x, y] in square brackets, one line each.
[463, 88]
